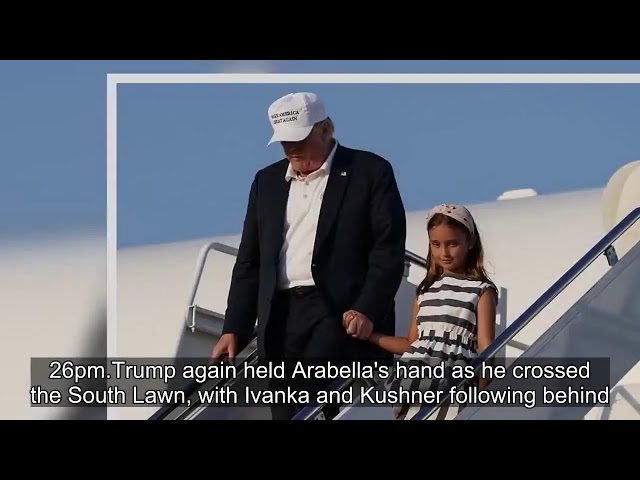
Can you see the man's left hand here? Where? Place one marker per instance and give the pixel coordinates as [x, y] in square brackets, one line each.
[357, 324]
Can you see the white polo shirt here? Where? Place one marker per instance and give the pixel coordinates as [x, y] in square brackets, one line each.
[301, 222]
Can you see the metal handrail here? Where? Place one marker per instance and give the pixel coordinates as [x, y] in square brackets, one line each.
[414, 258]
[604, 246]
[191, 388]
[202, 258]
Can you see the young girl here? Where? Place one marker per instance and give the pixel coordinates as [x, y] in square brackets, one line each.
[455, 308]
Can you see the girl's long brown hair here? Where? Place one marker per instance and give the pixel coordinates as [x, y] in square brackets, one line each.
[474, 266]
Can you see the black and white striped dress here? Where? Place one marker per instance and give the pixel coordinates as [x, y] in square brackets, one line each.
[446, 324]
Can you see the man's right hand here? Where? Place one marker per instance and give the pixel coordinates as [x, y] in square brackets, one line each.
[225, 348]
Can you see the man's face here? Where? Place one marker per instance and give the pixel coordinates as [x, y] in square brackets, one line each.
[309, 154]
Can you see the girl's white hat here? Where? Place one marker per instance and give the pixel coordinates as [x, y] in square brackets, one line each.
[457, 212]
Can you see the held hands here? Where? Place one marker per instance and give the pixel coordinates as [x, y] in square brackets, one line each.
[356, 324]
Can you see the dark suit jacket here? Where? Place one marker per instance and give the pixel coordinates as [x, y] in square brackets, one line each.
[358, 258]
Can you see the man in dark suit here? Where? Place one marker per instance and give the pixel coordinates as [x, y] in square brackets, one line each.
[324, 234]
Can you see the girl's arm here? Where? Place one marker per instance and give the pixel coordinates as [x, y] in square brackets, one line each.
[486, 321]
[398, 345]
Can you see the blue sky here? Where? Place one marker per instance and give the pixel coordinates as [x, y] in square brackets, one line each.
[187, 153]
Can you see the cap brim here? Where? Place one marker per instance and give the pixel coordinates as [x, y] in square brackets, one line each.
[295, 134]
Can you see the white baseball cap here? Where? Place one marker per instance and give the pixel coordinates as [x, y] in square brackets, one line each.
[293, 116]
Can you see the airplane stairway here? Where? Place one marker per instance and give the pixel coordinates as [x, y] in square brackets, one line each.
[198, 411]
[605, 322]
[203, 329]
[204, 326]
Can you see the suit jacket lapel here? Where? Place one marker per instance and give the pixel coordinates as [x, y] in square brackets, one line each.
[277, 210]
[332, 199]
